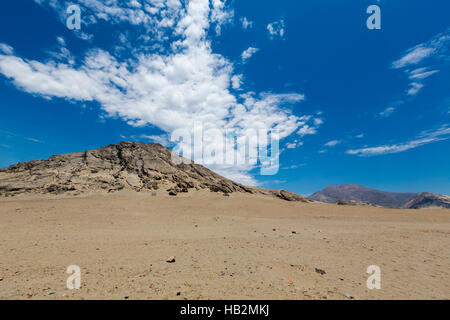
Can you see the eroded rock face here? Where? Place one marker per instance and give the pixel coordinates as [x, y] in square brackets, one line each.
[127, 165]
[290, 196]
[354, 203]
[428, 200]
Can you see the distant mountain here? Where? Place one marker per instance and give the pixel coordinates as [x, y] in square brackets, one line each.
[428, 200]
[358, 193]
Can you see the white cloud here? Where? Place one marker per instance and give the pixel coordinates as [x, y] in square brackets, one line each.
[276, 29]
[236, 81]
[418, 54]
[415, 88]
[423, 139]
[318, 121]
[421, 73]
[246, 24]
[414, 56]
[436, 49]
[306, 130]
[34, 140]
[247, 54]
[220, 14]
[332, 143]
[387, 112]
[161, 139]
[295, 144]
[5, 49]
[294, 166]
[169, 90]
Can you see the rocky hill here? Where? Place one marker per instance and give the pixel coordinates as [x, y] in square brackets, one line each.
[355, 192]
[127, 165]
[428, 200]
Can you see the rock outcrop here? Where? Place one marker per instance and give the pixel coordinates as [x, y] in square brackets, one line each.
[127, 165]
[354, 203]
[428, 200]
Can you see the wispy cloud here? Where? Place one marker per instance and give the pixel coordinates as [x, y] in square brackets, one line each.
[421, 52]
[424, 138]
[435, 50]
[161, 139]
[34, 140]
[387, 112]
[421, 73]
[415, 88]
[332, 143]
[294, 166]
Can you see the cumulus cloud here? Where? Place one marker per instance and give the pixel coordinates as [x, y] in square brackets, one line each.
[236, 81]
[247, 54]
[246, 24]
[170, 88]
[295, 144]
[276, 29]
[424, 138]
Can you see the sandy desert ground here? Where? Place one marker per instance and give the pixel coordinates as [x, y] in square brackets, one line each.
[237, 247]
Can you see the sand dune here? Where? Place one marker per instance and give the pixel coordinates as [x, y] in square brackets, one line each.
[237, 247]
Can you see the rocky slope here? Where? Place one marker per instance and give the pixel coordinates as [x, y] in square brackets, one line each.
[360, 193]
[127, 165]
[428, 200]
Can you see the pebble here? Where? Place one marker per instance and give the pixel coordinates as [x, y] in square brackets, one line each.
[347, 295]
[171, 260]
[320, 271]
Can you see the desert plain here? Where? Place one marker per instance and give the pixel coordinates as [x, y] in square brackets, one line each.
[225, 247]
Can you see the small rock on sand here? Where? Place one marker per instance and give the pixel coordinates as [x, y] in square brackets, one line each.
[171, 260]
[320, 271]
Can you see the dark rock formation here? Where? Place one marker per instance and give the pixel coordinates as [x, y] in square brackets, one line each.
[354, 203]
[127, 165]
[428, 200]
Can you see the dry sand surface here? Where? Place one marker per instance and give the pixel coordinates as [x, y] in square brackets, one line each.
[237, 247]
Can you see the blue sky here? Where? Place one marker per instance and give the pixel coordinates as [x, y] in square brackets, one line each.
[353, 105]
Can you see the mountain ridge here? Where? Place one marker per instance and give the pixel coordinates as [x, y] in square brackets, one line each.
[355, 193]
[127, 165]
